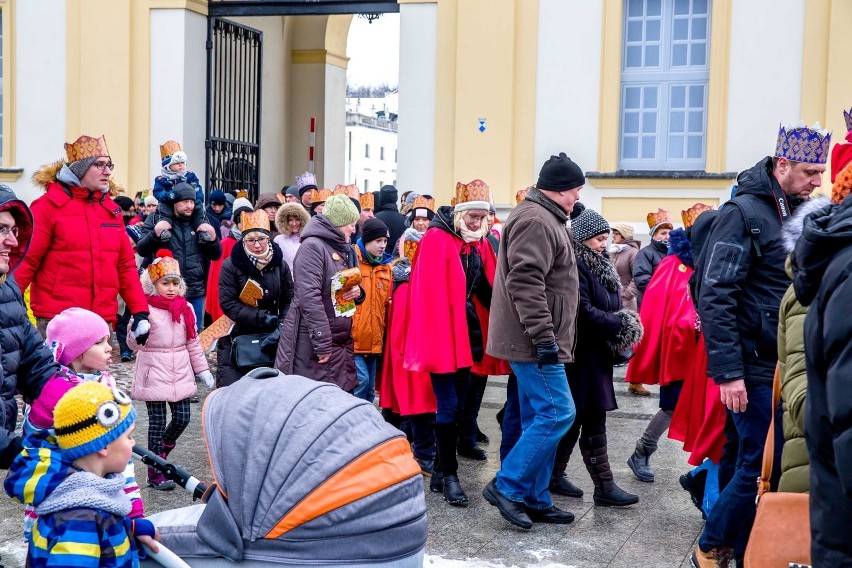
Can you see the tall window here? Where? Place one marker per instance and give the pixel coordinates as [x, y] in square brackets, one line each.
[366, 150]
[381, 152]
[664, 77]
[366, 185]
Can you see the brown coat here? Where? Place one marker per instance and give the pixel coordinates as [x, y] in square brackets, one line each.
[311, 328]
[623, 260]
[536, 291]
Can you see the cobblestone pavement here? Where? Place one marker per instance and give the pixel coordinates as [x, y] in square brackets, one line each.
[659, 531]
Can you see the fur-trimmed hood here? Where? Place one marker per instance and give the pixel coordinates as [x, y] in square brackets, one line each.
[792, 229]
[599, 263]
[48, 174]
[290, 210]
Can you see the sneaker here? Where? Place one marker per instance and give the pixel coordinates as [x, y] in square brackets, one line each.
[159, 481]
[126, 356]
[194, 400]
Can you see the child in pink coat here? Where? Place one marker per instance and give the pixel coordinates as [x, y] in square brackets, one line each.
[167, 364]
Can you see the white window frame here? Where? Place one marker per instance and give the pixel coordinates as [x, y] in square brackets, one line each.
[647, 139]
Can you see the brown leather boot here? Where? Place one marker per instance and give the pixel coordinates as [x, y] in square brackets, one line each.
[638, 389]
[719, 557]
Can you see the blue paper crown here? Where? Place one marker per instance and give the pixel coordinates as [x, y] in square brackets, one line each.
[847, 116]
[800, 143]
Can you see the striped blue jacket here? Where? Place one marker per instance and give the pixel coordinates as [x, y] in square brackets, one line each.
[83, 538]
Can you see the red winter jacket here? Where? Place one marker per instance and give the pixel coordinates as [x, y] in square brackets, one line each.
[79, 255]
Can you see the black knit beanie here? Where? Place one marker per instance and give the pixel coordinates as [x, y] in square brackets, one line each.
[374, 229]
[589, 224]
[560, 173]
[181, 192]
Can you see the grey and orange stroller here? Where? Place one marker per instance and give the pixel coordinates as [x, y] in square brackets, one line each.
[304, 474]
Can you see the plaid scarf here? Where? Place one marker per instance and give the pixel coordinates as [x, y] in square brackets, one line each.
[259, 260]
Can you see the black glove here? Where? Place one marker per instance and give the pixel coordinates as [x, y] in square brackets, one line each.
[270, 343]
[270, 321]
[15, 447]
[140, 328]
[548, 353]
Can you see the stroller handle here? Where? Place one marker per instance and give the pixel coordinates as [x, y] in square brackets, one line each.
[166, 557]
[193, 485]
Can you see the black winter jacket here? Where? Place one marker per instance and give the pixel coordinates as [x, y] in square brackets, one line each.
[646, 262]
[192, 257]
[277, 283]
[590, 375]
[395, 221]
[739, 293]
[822, 268]
[25, 362]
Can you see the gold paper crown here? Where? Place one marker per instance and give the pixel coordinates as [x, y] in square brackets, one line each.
[367, 200]
[86, 147]
[169, 148]
[661, 216]
[242, 193]
[163, 267]
[690, 215]
[409, 249]
[350, 191]
[476, 190]
[520, 195]
[320, 195]
[253, 221]
[424, 201]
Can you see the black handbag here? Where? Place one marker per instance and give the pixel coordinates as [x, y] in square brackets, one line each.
[248, 353]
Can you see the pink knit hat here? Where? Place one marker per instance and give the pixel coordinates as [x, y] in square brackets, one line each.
[72, 332]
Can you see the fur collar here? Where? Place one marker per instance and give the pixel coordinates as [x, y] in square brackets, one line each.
[290, 210]
[792, 229]
[46, 175]
[600, 265]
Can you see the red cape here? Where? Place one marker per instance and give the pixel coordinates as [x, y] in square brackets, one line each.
[211, 301]
[670, 341]
[405, 392]
[699, 417]
[437, 339]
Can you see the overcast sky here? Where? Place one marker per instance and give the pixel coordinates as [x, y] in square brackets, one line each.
[373, 51]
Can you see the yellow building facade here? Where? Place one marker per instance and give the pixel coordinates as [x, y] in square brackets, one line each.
[488, 89]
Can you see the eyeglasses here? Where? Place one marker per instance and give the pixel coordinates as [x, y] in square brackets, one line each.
[103, 165]
[6, 231]
[260, 241]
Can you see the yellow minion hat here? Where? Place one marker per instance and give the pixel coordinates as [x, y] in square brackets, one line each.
[89, 417]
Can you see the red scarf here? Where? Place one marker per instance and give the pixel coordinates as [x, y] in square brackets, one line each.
[177, 307]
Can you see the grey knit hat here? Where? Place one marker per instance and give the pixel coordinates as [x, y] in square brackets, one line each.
[589, 224]
[79, 167]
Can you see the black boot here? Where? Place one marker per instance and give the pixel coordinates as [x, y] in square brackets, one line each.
[561, 485]
[447, 435]
[436, 484]
[607, 493]
[640, 462]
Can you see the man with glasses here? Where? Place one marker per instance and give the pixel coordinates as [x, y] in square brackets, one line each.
[191, 253]
[80, 255]
[25, 361]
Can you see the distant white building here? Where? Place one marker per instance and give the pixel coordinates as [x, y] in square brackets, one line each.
[371, 142]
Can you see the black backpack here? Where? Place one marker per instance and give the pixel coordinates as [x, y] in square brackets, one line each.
[702, 228]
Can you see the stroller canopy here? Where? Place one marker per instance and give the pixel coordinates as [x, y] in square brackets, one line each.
[307, 473]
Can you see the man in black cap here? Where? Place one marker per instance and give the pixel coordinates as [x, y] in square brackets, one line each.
[533, 308]
[192, 252]
[390, 215]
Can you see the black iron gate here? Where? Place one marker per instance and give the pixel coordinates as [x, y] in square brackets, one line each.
[234, 63]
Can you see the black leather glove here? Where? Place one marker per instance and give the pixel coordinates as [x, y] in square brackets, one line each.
[140, 328]
[270, 321]
[548, 353]
[270, 343]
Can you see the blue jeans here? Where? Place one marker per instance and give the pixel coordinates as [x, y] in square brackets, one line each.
[511, 426]
[547, 412]
[197, 307]
[731, 518]
[365, 367]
